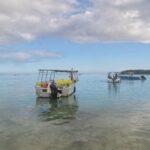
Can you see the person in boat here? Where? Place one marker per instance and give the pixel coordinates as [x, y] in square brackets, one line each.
[109, 76]
[115, 76]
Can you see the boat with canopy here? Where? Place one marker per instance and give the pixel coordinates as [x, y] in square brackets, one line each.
[56, 83]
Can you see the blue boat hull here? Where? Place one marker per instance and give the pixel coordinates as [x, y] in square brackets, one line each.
[130, 78]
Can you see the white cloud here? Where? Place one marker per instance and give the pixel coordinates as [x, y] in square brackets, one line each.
[28, 56]
[100, 21]
[124, 2]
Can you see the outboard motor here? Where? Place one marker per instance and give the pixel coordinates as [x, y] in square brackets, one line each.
[54, 90]
[143, 77]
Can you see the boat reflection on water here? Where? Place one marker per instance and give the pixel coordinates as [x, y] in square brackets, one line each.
[113, 88]
[57, 109]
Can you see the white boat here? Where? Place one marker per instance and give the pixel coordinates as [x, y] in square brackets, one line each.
[114, 81]
[113, 78]
[48, 85]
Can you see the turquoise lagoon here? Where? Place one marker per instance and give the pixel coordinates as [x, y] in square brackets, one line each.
[100, 116]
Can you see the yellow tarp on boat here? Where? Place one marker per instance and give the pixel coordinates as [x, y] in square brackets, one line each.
[63, 82]
[39, 83]
[59, 83]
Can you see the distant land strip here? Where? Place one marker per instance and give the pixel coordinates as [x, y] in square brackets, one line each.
[137, 71]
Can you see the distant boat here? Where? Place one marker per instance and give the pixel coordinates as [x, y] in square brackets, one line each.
[132, 77]
[113, 77]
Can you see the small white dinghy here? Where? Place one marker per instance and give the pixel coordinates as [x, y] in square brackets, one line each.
[50, 86]
[113, 78]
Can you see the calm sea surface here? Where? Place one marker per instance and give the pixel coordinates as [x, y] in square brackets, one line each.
[100, 116]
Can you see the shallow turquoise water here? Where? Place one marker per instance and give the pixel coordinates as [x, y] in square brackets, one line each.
[100, 116]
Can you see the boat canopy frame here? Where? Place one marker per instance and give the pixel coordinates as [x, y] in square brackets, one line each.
[46, 75]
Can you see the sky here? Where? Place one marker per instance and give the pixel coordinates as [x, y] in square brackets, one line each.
[88, 35]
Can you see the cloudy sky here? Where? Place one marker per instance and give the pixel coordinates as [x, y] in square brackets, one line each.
[89, 35]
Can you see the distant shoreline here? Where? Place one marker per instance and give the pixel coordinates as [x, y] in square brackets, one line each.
[136, 71]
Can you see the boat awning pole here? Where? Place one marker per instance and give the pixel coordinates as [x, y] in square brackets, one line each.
[50, 76]
[46, 75]
[38, 79]
[42, 75]
[54, 76]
